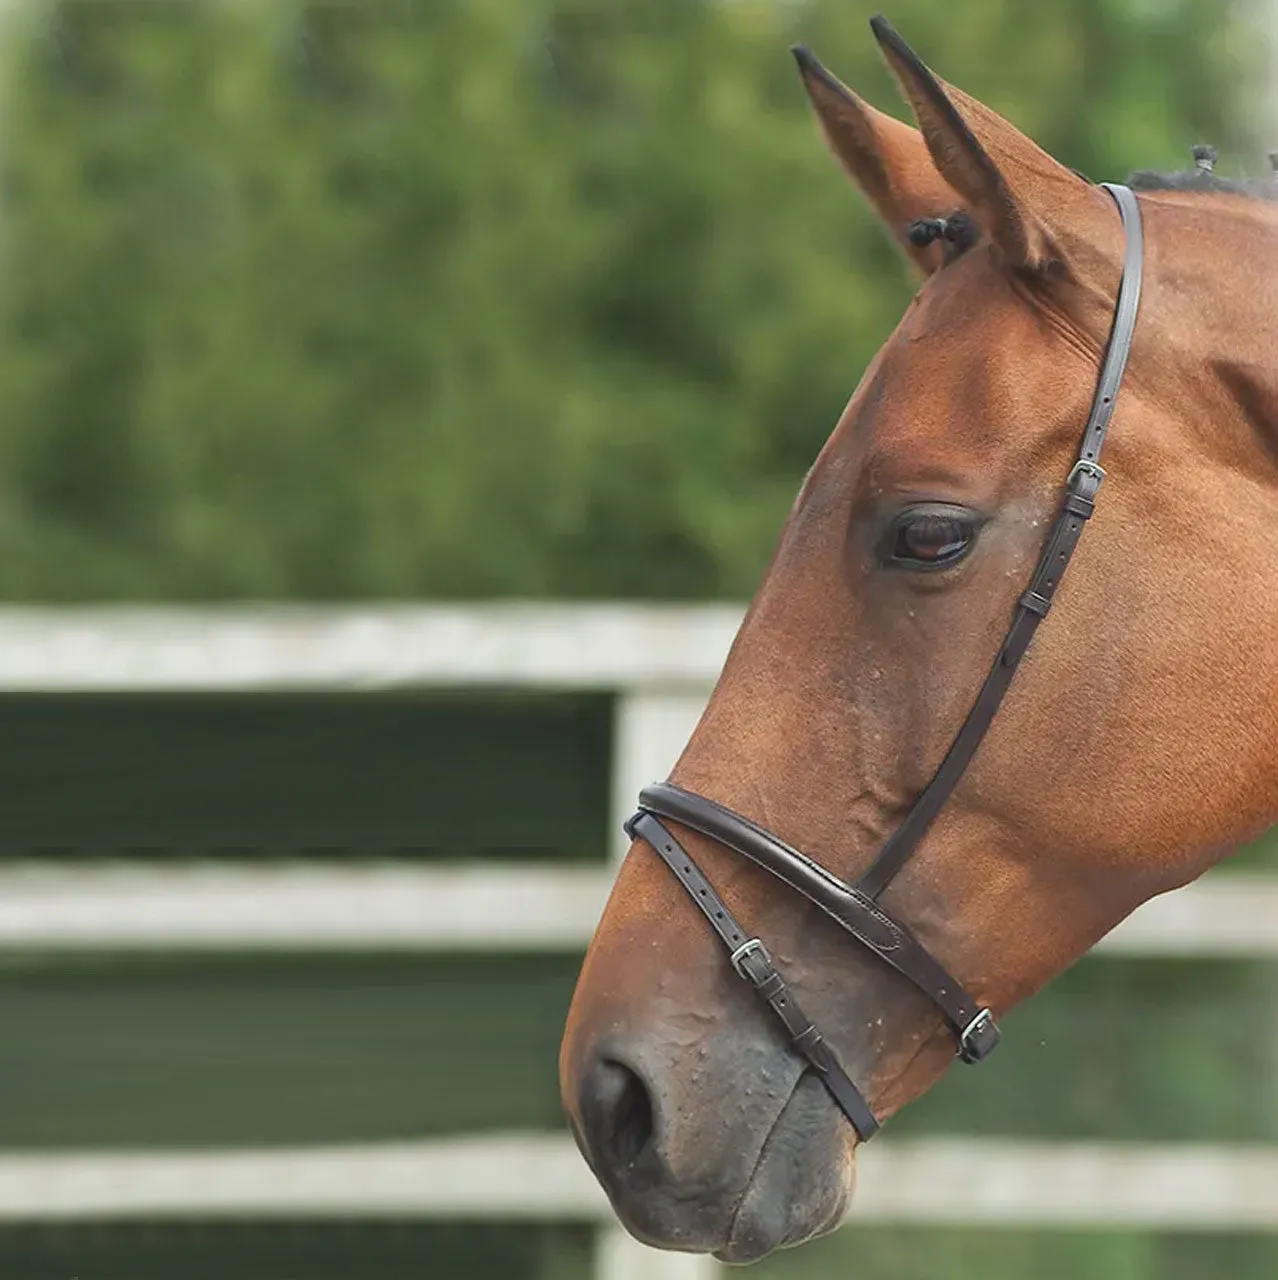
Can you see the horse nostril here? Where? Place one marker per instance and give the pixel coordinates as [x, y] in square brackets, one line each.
[622, 1113]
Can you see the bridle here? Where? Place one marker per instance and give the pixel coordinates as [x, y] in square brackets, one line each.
[856, 907]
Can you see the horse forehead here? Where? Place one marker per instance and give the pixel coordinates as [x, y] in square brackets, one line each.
[962, 367]
[968, 365]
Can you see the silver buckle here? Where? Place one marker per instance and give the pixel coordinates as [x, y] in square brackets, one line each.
[970, 1050]
[748, 949]
[1083, 467]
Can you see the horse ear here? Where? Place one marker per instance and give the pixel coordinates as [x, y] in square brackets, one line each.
[1013, 188]
[888, 160]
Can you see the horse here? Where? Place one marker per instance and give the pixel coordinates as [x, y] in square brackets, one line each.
[1136, 747]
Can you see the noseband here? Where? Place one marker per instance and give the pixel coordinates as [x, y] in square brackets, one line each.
[856, 907]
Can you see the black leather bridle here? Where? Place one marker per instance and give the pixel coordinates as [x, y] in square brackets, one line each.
[856, 907]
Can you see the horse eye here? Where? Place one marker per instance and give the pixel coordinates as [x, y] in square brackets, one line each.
[923, 539]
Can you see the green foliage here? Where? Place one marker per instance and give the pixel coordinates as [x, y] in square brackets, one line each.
[476, 297]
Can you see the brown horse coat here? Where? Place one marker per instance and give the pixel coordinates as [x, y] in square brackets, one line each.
[1139, 742]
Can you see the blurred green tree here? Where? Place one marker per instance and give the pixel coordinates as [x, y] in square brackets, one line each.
[477, 297]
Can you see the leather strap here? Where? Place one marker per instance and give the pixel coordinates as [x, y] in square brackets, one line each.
[1080, 499]
[864, 919]
[752, 962]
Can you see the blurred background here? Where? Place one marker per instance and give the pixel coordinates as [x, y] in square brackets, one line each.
[398, 403]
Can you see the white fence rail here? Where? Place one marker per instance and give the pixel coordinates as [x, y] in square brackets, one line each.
[228, 649]
[391, 907]
[539, 1176]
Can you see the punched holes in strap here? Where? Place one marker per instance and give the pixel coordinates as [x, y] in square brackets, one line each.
[699, 889]
[1080, 501]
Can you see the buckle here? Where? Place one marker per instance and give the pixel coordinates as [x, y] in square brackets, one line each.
[979, 1037]
[738, 957]
[1036, 603]
[1084, 468]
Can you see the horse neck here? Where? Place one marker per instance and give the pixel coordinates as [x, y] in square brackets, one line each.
[1209, 366]
[1211, 316]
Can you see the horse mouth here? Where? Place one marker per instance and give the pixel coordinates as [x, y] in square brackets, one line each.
[801, 1184]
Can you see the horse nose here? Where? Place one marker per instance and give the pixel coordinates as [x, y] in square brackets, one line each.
[616, 1120]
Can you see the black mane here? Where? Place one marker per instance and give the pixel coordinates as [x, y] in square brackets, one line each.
[1203, 181]
[958, 232]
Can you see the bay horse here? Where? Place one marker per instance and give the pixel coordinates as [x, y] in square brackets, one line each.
[1137, 746]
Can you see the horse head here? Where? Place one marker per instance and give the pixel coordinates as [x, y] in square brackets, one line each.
[1136, 747]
